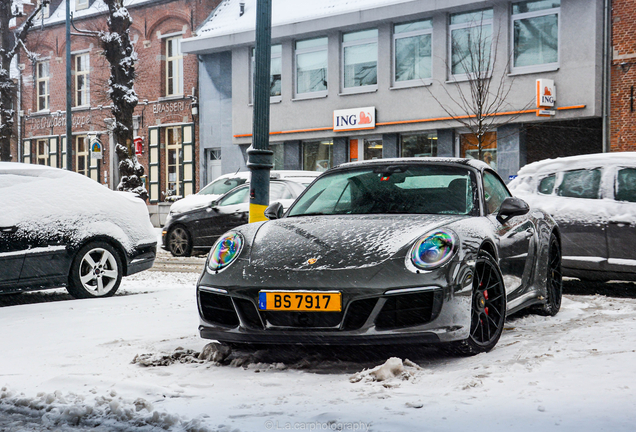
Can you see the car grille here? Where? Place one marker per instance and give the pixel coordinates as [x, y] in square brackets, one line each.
[409, 310]
[304, 319]
[218, 309]
[358, 313]
[249, 314]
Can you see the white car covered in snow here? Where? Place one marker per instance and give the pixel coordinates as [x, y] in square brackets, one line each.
[225, 183]
[59, 228]
[593, 199]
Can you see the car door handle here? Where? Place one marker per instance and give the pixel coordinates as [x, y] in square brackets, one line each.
[9, 230]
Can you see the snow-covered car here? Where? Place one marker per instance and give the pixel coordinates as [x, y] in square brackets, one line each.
[225, 183]
[197, 230]
[593, 199]
[421, 250]
[62, 229]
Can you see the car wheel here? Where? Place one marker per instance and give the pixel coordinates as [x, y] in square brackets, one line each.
[96, 271]
[554, 281]
[179, 242]
[488, 308]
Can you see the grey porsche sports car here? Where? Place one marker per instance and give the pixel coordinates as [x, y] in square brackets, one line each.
[388, 251]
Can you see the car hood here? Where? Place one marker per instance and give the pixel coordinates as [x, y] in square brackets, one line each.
[192, 202]
[338, 241]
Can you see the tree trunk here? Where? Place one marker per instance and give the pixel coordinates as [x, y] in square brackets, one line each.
[121, 56]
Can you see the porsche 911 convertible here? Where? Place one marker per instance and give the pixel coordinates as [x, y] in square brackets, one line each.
[388, 251]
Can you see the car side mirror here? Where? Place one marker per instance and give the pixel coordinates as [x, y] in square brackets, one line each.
[274, 211]
[511, 207]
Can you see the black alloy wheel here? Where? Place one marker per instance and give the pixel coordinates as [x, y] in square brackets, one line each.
[488, 310]
[179, 242]
[554, 281]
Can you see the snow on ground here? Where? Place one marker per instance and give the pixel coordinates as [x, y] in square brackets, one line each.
[67, 365]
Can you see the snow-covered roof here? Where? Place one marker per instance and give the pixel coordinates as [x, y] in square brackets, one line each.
[226, 18]
[226, 26]
[97, 8]
[579, 162]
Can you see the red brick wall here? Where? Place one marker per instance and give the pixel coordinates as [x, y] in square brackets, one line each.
[622, 118]
[149, 23]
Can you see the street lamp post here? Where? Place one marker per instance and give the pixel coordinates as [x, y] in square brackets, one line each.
[260, 157]
[69, 93]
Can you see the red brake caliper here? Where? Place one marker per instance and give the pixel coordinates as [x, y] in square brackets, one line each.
[486, 297]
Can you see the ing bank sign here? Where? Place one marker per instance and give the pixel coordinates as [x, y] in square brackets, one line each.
[354, 119]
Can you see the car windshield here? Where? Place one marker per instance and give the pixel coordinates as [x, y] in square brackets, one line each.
[404, 189]
[221, 186]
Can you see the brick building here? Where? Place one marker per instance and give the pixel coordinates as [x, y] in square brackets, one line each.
[623, 81]
[166, 86]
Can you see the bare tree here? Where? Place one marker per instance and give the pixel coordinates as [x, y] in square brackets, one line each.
[10, 42]
[122, 58]
[479, 101]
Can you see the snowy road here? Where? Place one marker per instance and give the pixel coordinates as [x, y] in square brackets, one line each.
[69, 362]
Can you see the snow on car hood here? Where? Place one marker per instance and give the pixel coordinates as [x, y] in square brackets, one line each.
[48, 203]
[192, 202]
[338, 241]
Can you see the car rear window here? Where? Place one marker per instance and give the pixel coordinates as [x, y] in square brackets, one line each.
[626, 185]
[584, 183]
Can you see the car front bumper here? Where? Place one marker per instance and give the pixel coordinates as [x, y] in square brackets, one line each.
[422, 315]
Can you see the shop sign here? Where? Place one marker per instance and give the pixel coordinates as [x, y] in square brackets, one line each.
[96, 149]
[58, 121]
[139, 145]
[546, 93]
[354, 119]
[169, 107]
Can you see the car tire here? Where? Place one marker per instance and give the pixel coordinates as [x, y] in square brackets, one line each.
[554, 281]
[96, 271]
[179, 242]
[488, 309]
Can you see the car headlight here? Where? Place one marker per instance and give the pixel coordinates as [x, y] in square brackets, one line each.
[225, 251]
[433, 250]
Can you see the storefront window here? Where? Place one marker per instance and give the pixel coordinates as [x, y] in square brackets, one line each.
[81, 155]
[412, 50]
[360, 58]
[420, 145]
[311, 66]
[471, 39]
[369, 148]
[173, 148]
[279, 155]
[470, 148]
[318, 155]
[535, 32]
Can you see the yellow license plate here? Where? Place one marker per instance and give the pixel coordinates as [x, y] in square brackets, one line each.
[315, 301]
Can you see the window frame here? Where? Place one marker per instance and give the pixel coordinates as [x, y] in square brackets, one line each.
[273, 55]
[46, 80]
[466, 25]
[325, 48]
[86, 154]
[540, 67]
[428, 134]
[174, 58]
[343, 45]
[395, 37]
[81, 4]
[42, 156]
[177, 147]
[86, 74]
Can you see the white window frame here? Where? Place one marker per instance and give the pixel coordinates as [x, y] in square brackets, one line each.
[43, 79]
[178, 77]
[86, 154]
[81, 4]
[315, 94]
[451, 27]
[541, 67]
[86, 74]
[358, 89]
[252, 53]
[42, 156]
[396, 36]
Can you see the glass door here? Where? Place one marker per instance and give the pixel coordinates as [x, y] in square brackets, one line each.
[367, 148]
